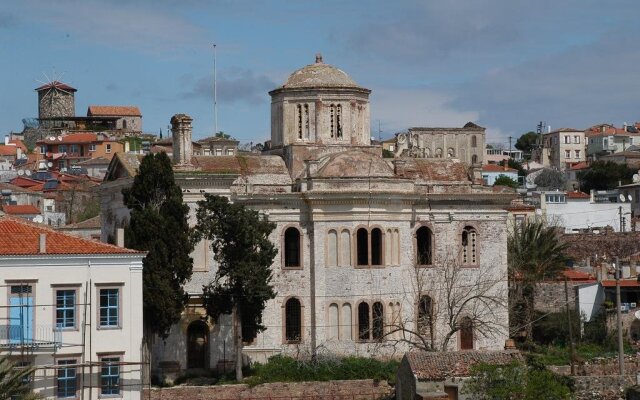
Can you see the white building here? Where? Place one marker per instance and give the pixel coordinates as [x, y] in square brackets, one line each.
[354, 231]
[577, 211]
[491, 172]
[562, 148]
[73, 308]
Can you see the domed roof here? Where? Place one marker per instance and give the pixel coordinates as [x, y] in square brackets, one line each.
[354, 164]
[319, 74]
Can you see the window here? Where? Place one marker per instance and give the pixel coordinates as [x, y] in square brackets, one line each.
[576, 139]
[567, 154]
[293, 321]
[377, 321]
[555, 198]
[474, 141]
[363, 321]
[469, 245]
[292, 247]
[62, 148]
[466, 334]
[306, 121]
[67, 380]
[376, 246]
[109, 307]
[218, 152]
[424, 243]
[339, 121]
[229, 152]
[110, 376]
[369, 247]
[370, 321]
[108, 148]
[425, 317]
[299, 112]
[92, 147]
[567, 139]
[21, 314]
[124, 124]
[65, 308]
[335, 114]
[61, 164]
[577, 153]
[43, 149]
[474, 159]
[73, 148]
[332, 115]
[451, 153]
[362, 239]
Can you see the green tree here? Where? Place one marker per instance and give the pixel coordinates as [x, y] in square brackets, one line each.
[14, 381]
[516, 165]
[159, 225]
[242, 285]
[515, 381]
[527, 142]
[535, 254]
[550, 179]
[504, 180]
[223, 135]
[604, 175]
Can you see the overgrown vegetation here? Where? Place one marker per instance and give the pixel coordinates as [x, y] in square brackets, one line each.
[14, 381]
[90, 210]
[605, 175]
[550, 179]
[504, 180]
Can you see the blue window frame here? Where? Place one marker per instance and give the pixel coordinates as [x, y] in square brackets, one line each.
[110, 376]
[21, 314]
[109, 307]
[67, 380]
[65, 308]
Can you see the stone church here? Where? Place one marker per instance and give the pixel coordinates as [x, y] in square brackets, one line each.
[371, 250]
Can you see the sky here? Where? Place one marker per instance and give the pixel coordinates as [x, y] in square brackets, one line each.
[503, 64]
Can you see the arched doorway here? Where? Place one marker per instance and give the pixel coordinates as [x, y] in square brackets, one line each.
[197, 344]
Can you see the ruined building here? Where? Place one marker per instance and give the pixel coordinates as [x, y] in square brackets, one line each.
[363, 241]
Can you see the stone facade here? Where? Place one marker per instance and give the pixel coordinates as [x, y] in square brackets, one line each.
[350, 271]
[55, 100]
[466, 144]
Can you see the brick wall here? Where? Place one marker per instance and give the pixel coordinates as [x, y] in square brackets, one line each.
[366, 389]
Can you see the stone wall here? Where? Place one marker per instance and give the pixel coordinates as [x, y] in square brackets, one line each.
[550, 296]
[338, 390]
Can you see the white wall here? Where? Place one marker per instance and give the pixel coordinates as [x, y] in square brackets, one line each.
[582, 214]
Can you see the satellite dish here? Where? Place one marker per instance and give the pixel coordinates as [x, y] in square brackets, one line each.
[622, 198]
[629, 198]
[49, 164]
[60, 138]
[636, 178]
[38, 219]
[52, 138]
[27, 172]
[20, 172]
[637, 314]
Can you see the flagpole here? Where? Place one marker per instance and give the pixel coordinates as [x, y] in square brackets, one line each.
[215, 94]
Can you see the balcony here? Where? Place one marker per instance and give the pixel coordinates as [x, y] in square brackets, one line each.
[40, 337]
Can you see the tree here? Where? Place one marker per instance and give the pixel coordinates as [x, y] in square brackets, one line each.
[535, 254]
[450, 297]
[242, 284]
[504, 180]
[527, 142]
[159, 225]
[605, 175]
[516, 165]
[223, 135]
[14, 381]
[515, 381]
[550, 179]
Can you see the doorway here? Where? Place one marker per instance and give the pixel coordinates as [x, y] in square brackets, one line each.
[197, 345]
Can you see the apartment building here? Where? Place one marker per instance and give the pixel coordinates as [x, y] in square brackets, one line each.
[562, 148]
[68, 150]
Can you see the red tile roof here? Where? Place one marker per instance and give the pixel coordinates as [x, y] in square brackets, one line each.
[114, 111]
[57, 85]
[438, 366]
[577, 195]
[72, 138]
[18, 237]
[24, 182]
[497, 168]
[8, 150]
[573, 275]
[580, 165]
[19, 144]
[623, 283]
[20, 209]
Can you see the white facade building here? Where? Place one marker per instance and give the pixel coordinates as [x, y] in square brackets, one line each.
[73, 308]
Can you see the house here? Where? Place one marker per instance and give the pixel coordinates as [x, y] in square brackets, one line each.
[351, 227]
[491, 172]
[127, 118]
[605, 139]
[562, 148]
[632, 193]
[440, 376]
[73, 308]
[28, 212]
[497, 156]
[571, 174]
[630, 157]
[89, 229]
[65, 151]
[95, 167]
[218, 146]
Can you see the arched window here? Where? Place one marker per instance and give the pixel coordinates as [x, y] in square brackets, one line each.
[438, 152]
[376, 246]
[334, 322]
[424, 244]
[332, 114]
[306, 121]
[425, 318]
[332, 248]
[451, 152]
[339, 121]
[474, 159]
[469, 241]
[474, 141]
[299, 120]
[292, 247]
[363, 321]
[293, 321]
[377, 328]
[362, 246]
[466, 334]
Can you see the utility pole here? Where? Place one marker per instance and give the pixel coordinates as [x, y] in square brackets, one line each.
[571, 342]
[618, 271]
[510, 137]
[620, 213]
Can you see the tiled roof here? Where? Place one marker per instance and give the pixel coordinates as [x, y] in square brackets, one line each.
[18, 237]
[215, 139]
[91, 223]
[241, 165]
[20, 209]
[8, 150]
[24, 182]
[580, 165]
[95, 161]
[437, 366]
[71, 138]
[432, 170]
[574, 275]
[114, 111]
[19, 143]
[497, 168]
[623, 283]
[57, 85]
[577, 195]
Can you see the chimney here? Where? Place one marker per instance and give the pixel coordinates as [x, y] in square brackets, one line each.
[182, 145]
[120, 237]
[398, 167]
[6, 140]
[43, 243]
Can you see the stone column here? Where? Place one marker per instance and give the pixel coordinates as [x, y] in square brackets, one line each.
[182, 145]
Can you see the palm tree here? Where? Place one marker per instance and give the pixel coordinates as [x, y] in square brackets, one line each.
[535, 253]
[14, 381]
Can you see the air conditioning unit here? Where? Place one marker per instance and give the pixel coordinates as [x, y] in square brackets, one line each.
[633, 305]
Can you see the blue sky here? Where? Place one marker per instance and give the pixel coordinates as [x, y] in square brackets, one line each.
[504, 64]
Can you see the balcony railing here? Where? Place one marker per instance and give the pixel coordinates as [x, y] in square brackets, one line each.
[38, 337]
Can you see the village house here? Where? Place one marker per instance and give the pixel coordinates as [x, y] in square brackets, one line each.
[355, 231]
[562, 148]
[491, 172]
[65, 151]
[73, 309]
[127, 118]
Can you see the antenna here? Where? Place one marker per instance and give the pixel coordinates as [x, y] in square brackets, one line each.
[379, 132]
[215, 93]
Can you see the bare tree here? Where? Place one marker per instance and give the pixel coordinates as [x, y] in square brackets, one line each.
[450, 298]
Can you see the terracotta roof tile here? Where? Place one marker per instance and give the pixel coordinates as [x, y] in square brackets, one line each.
[114, 111]
[437, 366]
[432, 170]
[20, 209]
[580, 165]
[57, 85]
[497, 168]
[19, 143]
[577, 195]
[8, 150]
[91, 223]
[18, 237]
[71, 138]
[574, 275]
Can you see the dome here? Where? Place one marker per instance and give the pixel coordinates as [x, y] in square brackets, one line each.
[319, 74]
[354, 164]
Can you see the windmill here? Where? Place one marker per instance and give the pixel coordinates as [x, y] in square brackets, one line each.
[55, 98]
